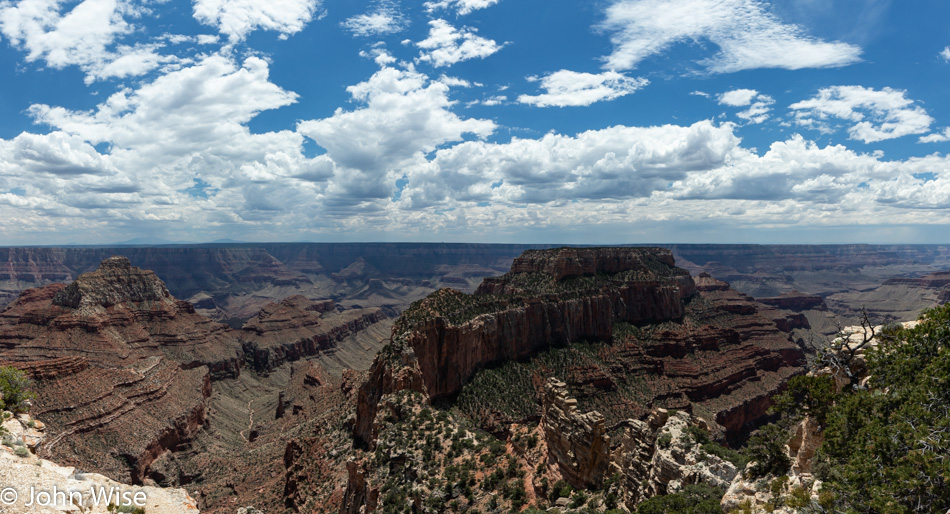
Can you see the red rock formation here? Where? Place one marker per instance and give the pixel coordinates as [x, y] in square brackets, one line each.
[577, 442]
[514, 316]
[724, 354]
[394, 369]
[296, 328]
[122, 368]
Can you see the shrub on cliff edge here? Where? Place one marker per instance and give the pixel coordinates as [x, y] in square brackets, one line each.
[885, 447]
[14, 387]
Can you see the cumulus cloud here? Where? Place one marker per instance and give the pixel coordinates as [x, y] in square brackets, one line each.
[56, 153]
[238, 18]
[945, 53]
[613, 163]
[385, 19]
[404, 115]
[877, 115]
[462, 7]
[759, 105]
[570, 88]
[936, 137]
[747, 34]
[189, 124]
[447, 45]
[494, 100]
[85, 36]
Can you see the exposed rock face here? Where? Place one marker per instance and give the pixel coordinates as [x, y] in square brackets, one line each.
[719, 352]
[577, 442]
[806, 437]
[550, 297]
[659, 456]
[296, 328]
[122, 368]
[236, 280]
[395, 369]
[451, 335]
[24, 472]
[795, 301]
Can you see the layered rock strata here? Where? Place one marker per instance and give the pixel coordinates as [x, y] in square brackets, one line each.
[660, 456]
[549, 298]
[577, 442]
[296, 327]
[717, 350]
[30, 477]
[121, 368]
[578, 294]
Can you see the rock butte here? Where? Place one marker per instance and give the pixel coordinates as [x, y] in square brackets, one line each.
[553, 297]
[124, 372]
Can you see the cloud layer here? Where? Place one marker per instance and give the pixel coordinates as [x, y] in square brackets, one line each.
[447, 45]
[204, 134]
[875, 115]
[747, 34]
[570, 88]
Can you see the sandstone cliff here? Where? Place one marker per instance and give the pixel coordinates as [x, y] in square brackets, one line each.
[712, 348]
[661, 455]
[577, 294]
[577, 442]
[550, 297]
[122, 368]
[296, 327]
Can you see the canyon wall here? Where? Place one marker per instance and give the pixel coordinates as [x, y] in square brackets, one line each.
[714, 350]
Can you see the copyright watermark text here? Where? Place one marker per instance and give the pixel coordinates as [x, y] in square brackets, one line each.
[55, 497]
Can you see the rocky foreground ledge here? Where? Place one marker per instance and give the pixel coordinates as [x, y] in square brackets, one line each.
[35, 485]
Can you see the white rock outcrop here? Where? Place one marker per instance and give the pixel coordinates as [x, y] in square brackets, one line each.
[29, 484]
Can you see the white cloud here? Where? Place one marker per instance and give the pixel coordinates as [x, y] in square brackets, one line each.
[462, 7]
[945, 53]
[571, 88]
[738, 97]
[189, 123]
[747, 34]
[85, 36]
[238, 18]
[386, 19]
[56, 153]
[447, 45]
[759, 105]
[612, 163]
[876, 115]
[404, 116]
[129, 62]
[936, 137]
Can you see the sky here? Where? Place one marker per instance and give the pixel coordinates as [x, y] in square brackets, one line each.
[555, 121]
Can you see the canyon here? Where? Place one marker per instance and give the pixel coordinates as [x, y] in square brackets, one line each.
[312, 377]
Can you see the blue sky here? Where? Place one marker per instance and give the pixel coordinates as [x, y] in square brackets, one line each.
[613, 121]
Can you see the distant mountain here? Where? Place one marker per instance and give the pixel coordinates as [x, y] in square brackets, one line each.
[151, 241]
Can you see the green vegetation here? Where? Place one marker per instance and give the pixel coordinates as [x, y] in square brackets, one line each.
[693, 499]
[886, 447]
[454, 306]
[711, 447]
[511, 391]
[807, 395]
[14, 385]
[767, 448]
